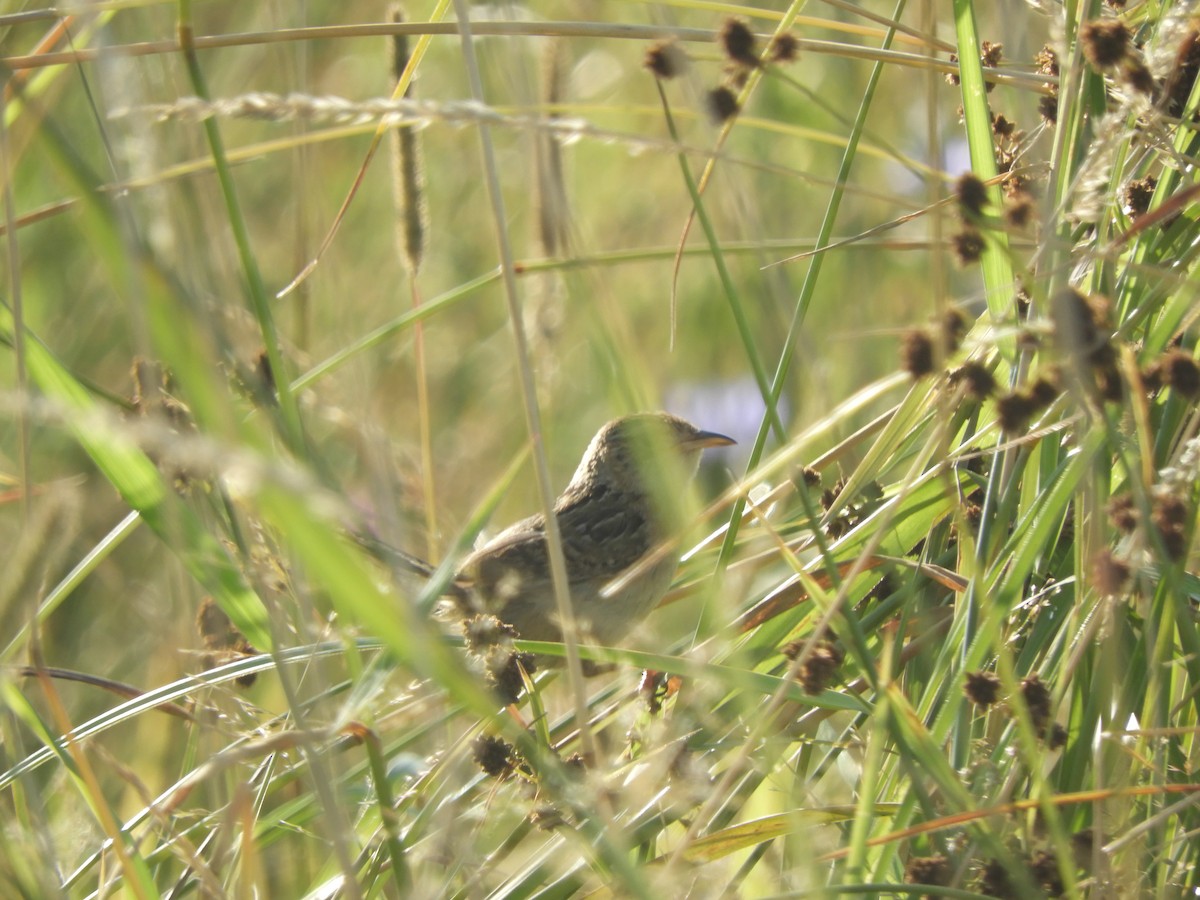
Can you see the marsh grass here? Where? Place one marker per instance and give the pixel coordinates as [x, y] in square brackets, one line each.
[935, 626]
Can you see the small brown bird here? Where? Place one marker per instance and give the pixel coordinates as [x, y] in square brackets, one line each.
[610, 516]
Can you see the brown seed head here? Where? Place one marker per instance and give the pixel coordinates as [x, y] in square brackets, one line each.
[1110, 575]
[785, 48]
[968, 246]
[666, 59]
[1180, 370]
[928, 870]
[972, 195]
[722, 104]
[982, 688]
[1138, 193]
[737, 40]
[1106, 42]
[916, 353]
[493, 755]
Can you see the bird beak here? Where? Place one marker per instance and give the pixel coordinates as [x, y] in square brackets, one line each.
[704, 439]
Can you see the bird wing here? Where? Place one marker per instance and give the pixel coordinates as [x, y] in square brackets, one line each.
[603, 534]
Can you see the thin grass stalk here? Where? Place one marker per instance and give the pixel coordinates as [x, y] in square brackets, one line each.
[731, 295]
[558, 568]
[260, 303]
[408, 179]
[807, 290]
[8, 172]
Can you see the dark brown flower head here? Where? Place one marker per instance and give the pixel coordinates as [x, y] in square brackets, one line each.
[666, 59]
[1179, 83]
[991, 54]
[1135, 74]
[1047, 61]
[1002, 127]
[977, 379]
[972, 195]
[504, 674]
[1044, 869]
[1037, 698]
[1043, 392]
[1110, 575]
[1106, 42]
[1116, 4]
[1170, 517]
[737, 40]
[1079, 324]
[1014, 411]
[1181, 371]
[953, 325]
[1123, 513]
[1138, 193]
[916, 353]
[785, 48]
[1048, 109]
[968, 246]
[493, 755]
[994, 881]
[807, 474]
[722, 104]
[1019, 210]
[483, 632]
[982, 688]
[928, 870]
[820, 667]
[1056, 736]
[952, 78]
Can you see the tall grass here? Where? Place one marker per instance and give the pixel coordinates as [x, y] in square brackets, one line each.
[934, 631]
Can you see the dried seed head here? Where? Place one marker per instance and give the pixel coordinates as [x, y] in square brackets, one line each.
[1047, 61]
[976, 377]
[1138, 77]
[785, 48]
[504, 674]
[952, 78]
[1002, 127]
[968, 246]
[1122, 513]
[928, 870]
[1048, 109]
[916, 353]
[1111, 576]
[666, 59]
[737, 40]
[982, 688]
[1170, 517]
[1014, 411]
[817, 671]
[810, 476]
[1019, 210]
[1138, 193]
[953, 324]
[972, 195]
[483, 632]
[1106, 42]
[722, 104]
[1181, 372]
[1037, 697]
[1044, 869]
[991, 54]
[1179, 83]
[493, 755]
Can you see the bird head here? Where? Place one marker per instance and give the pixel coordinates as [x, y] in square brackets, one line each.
[632, 450]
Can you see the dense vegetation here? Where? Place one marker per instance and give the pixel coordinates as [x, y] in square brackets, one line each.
[292, 287]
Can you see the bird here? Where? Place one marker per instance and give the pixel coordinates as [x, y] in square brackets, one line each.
[612, 514]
